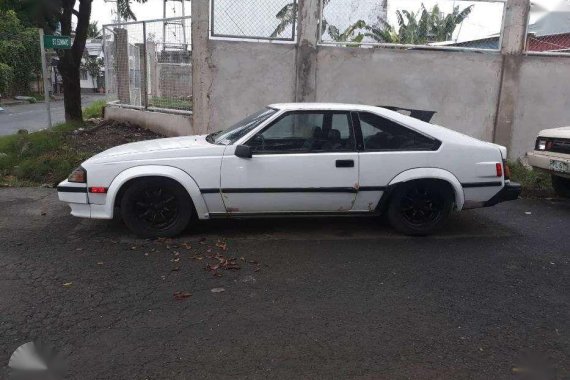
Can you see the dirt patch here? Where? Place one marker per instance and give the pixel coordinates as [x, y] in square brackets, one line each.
[108, 134]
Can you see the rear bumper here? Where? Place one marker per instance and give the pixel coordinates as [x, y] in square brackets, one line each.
[510, 192]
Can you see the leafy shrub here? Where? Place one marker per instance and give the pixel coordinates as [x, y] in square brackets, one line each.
[94, 110]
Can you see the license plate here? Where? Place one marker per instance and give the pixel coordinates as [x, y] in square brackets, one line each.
[559, 166]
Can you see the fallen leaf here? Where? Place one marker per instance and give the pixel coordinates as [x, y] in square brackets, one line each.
[222, 245]
[182, 295]
[217, 290]
[68, 284]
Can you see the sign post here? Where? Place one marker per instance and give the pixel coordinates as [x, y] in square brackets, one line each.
[50, 42]
[45, 75]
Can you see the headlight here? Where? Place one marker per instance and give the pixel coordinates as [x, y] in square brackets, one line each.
[541, 144]
[79, 175]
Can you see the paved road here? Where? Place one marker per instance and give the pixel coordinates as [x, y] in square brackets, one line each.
[33, 117]
[314, 298]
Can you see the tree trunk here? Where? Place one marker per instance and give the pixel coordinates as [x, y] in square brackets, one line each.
[71, 90]
[70, 60]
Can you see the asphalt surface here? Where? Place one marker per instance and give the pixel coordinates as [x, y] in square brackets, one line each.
[33, 117]
[488, 298]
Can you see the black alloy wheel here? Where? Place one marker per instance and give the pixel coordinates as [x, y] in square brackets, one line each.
[156, 207]
[420, 207]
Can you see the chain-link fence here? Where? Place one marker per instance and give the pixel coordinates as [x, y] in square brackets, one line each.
[148, 64]
[254, 19]
[455, 24]
[549, 28]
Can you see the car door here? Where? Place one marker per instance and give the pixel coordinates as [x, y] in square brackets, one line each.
[387, 149]
[304, 161]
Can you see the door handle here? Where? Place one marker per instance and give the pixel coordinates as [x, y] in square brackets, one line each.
[344, 163]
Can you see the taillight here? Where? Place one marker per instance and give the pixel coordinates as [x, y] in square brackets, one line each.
[98, 190]
[499, 169]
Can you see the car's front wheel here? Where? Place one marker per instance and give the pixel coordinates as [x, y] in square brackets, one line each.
[156, 207]
[420, 207]
[561, 185]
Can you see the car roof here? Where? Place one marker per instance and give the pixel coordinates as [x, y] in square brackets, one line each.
[433, 130]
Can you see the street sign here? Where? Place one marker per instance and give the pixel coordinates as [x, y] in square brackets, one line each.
[57, 42]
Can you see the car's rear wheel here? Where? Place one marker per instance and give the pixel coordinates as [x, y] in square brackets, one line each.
[156, 207]
[561, 185]
[420, 207]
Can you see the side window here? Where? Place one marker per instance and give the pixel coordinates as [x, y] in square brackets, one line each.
[383, 134]
[306, 132]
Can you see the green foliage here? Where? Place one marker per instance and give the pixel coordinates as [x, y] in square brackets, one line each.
[350, 34]
[94, 110]
[20, 50]
[39, 157]
[6, 78]
[93, 66]
[93, 30]
[534, 182]
[420, 27]
[170, 103]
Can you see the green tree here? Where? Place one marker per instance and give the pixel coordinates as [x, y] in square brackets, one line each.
[420, 27]
[287, 16]
[93, 66]
[93, 31]
[74, 18]
[20, 52]
[350, 34]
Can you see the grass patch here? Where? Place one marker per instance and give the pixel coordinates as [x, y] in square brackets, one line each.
[535, 183]
[94, 110]
[170, 103]
[43, 157]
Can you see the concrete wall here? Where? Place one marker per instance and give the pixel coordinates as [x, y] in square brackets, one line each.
[166, 124]
[503, 96]
[460, 87]
[543, 99]
[246, 77]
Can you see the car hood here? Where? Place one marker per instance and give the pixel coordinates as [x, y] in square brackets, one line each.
[192, 146]
[563, 133]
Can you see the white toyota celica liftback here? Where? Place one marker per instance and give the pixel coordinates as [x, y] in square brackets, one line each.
[295, 159]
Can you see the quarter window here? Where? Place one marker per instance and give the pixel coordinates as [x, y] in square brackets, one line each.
[299, 132]
[379, 133]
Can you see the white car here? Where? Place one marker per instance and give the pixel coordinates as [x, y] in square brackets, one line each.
[552, 154]
[295, 159]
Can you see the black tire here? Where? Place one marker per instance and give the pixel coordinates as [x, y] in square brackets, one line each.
[419, 208]
[561, 186]
[156, 207]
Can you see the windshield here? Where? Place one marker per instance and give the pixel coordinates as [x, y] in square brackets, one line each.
[237, 131]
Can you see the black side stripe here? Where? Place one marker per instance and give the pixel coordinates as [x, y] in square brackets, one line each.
[295, 190]
[71, 189]
[482, 184]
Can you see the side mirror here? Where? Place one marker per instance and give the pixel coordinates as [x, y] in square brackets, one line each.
[243, 151]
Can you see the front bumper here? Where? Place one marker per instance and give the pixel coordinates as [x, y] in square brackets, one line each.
[510, 192]
[75, 195]
[541, 160]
